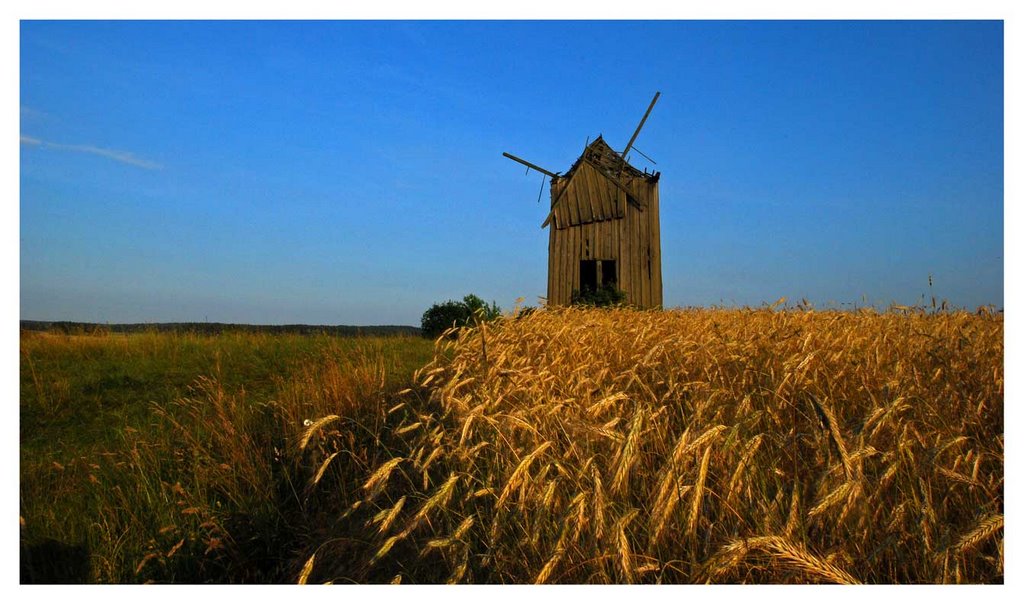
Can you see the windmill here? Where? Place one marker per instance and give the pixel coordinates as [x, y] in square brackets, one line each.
[604, 225]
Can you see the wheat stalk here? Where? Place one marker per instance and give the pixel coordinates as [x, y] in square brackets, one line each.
[625, 552]
[323, 468]
[796, 556]
[386, 518]
[375, 484]
[314, 427]
[837, 438]
[698, 494]
[737, 476]
[306, 569]
[979, 533]
[555, 558]
[599, 505]
[628, 454]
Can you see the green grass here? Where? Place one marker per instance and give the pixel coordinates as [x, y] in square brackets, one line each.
[176, 451]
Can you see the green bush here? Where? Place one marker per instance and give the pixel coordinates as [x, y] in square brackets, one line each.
[604, 296]
[442, 316]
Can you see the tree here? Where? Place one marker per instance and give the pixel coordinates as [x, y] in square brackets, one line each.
[469, 311]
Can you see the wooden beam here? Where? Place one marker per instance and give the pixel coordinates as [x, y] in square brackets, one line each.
[558, 197]
[637, 131]
[656, 287]
[641, 125]
[530, 165]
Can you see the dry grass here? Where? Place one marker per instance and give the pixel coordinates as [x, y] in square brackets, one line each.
[692, 446]
[189, 458]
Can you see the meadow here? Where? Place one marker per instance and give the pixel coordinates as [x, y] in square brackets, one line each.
[559, 446]
[165, 456]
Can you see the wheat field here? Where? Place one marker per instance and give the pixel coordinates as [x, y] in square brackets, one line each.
[690, 446]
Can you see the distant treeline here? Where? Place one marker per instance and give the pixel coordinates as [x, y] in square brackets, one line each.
[76, 327]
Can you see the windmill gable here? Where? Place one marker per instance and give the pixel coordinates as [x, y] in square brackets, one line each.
[585, 197]
[597, 188]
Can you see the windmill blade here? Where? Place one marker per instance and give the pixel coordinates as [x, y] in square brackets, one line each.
[529, 164]
[641, 125]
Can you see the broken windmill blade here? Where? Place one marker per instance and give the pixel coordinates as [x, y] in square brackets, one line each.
[529, 165]
[636, 133]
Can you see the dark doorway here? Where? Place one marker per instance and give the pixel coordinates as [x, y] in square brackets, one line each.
[595, 274]
[588, 275]
[608, 275]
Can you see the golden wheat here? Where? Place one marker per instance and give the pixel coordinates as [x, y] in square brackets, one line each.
[803, 444]
[981, 532]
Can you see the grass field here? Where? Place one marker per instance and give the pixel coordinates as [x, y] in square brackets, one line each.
[163, 456]
[563, 446]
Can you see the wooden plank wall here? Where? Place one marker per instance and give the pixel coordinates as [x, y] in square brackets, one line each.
[588, 197]
[555, 253]
[634, 242]
[655, 241]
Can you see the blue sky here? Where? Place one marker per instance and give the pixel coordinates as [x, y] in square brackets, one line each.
[351, 172]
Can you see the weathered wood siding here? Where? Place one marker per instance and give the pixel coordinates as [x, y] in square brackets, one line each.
[588, 197]
[633, 241]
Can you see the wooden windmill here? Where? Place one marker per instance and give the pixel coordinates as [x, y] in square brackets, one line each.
[605, 230]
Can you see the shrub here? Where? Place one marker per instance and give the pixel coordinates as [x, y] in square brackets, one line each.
[604, 296]
[478, 308]
[442, 316]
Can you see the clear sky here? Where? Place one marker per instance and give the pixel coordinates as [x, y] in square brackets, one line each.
[351, 172]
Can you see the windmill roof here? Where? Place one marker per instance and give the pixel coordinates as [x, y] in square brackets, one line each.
[599, 153]
[592, 190]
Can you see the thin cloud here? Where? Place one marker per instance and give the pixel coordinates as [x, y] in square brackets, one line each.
[31, 113]
[125, 157]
